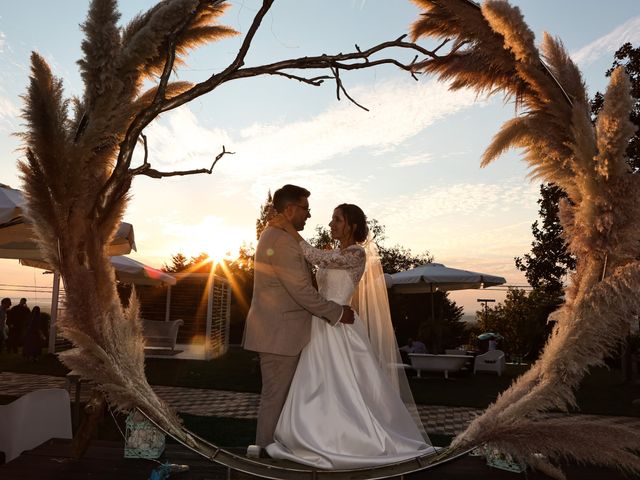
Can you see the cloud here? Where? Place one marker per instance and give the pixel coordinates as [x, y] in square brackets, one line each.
[477, 199]
[473, 226]
[399, 110]
[8, 110]
[3, 40]
[180, 141]
[609, 43]
[413, 160]
[9, 114]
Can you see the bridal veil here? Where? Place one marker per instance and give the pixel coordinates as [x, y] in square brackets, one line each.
[373, 305]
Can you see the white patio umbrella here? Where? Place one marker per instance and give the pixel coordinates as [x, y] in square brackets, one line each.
[432, 277]
[16, 241]
[11, 202]
[16, 236]
[435, 276]
[127, 270]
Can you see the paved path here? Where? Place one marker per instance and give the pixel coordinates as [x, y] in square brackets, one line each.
[219, 403]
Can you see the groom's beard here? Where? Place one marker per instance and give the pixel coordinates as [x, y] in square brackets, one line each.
[300, 225]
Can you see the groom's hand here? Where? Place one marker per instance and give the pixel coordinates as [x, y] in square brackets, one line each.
[347, 315]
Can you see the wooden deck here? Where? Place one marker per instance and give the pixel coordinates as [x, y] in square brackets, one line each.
[105, 461]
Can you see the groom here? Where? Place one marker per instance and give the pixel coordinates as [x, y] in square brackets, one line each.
[279, 321]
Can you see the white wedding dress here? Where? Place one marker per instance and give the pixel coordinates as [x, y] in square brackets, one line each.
[342, 411]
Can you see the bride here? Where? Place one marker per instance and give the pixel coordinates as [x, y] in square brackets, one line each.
[349, 405]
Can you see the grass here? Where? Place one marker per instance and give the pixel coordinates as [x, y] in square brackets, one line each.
[603, 391]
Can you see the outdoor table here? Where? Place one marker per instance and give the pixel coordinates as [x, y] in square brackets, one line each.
[104, 460]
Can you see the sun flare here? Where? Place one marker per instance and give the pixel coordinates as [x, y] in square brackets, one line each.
[211, 236]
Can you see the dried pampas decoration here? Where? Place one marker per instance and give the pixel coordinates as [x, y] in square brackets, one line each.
[493, 50]
[76, 185]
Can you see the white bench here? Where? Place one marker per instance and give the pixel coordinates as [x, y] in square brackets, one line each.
[438, 363]
[161, 334]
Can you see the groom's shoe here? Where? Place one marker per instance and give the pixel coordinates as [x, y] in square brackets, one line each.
[255, 451]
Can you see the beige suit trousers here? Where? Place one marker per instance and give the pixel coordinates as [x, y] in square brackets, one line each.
[277, 374]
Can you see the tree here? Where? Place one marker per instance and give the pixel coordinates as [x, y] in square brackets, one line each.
[398, 258]
[179, 263]
[521, 319]
[409, 313]
[447, 330]
[322, 239]
[549, 260]
[394, 259]
[266, 213]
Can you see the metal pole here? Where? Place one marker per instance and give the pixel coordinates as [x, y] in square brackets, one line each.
[210, 285]
[433, 316]
[167, 309]
[227, 330]
[54, 312]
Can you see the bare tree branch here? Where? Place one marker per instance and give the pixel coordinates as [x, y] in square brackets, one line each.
[145, 168]
[117, 184]
[315, 81]
[340, 86]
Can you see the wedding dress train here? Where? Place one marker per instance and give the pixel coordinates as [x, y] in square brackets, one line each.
[342, 411]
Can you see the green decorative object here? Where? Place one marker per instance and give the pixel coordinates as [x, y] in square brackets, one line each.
[142, 439]
[503, 461]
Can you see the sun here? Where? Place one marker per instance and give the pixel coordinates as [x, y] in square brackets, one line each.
[212, 237]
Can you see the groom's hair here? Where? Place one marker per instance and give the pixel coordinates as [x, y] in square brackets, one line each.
[288, 194]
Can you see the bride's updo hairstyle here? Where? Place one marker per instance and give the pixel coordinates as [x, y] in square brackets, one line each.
[355, 217]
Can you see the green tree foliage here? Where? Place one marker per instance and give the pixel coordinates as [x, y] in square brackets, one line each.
[266, 213]
[394, 259]
[548, 262]
[179, 263]
[322, 239]
[521, 319]
[411, 314]
[628, 57]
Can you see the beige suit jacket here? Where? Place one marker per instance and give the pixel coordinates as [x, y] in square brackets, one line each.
[284, 299]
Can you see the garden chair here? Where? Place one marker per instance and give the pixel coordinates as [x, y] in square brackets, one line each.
[492, 361]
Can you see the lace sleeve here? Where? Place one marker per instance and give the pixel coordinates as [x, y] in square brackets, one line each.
[351, 258]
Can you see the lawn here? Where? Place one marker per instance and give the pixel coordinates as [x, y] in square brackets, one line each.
[603, 391]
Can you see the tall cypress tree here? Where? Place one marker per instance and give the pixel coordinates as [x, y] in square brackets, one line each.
[266, 213]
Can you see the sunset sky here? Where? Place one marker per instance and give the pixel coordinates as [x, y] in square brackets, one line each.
[411, 162]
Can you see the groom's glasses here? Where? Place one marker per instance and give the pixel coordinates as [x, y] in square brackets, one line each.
[308, 210]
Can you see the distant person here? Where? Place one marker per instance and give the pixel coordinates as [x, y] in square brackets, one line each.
[414, 346]
[17, 320]
[33, 336]
[5, 304]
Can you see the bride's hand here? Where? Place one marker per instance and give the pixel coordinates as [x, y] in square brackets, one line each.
[279, 221]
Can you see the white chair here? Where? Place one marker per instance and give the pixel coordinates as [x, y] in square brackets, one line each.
[492, 361]
[33, 419]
